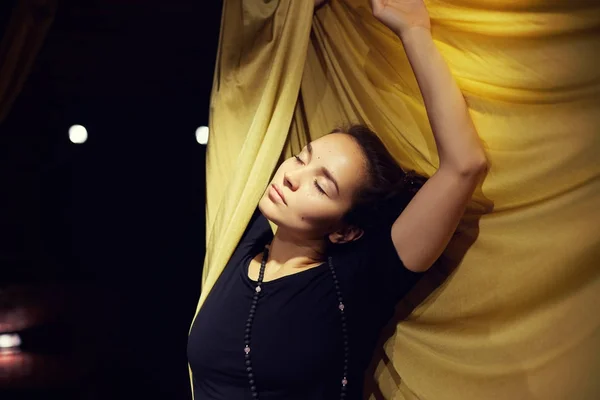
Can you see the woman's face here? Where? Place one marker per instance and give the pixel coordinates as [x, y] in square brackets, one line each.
[311, 192]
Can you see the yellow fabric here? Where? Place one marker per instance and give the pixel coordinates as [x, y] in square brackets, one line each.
[518, 317]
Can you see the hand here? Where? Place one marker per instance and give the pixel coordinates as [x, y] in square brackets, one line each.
[401, 15]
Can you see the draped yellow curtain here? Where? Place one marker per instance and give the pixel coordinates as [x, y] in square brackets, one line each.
[513, 313]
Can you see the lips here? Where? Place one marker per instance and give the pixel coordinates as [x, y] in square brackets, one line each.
[279, 192]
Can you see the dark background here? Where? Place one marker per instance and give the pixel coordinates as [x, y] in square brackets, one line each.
[106, 239]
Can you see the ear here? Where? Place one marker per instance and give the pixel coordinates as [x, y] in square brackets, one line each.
[345, 235]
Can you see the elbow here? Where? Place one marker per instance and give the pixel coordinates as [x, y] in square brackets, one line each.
[475, 168]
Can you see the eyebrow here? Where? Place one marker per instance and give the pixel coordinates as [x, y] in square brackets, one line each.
[324, 170]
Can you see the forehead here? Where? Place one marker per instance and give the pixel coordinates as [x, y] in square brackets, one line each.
[342, 156]
[337, 145]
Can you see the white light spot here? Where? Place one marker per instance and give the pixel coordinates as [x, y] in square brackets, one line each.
[78, 134]
[202, 135]
[9, 340]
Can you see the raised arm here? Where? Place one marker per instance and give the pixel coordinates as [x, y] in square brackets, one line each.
[423, 230]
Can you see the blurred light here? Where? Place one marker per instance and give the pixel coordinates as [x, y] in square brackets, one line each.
[78, 134]
[202, 135]
[9, 341]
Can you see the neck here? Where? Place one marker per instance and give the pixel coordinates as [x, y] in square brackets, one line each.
[289, 250]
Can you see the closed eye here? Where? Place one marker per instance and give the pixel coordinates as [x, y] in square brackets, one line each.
[319, 187]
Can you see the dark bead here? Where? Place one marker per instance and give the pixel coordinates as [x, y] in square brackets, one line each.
[346, 349]
[248, 325]
[254, 395]
[246, 337]
[247, 331]
[251, 382]
[253, 307]
[247, 356]
[251, 375]
[248, 369]
[253, 388]
[248, 363]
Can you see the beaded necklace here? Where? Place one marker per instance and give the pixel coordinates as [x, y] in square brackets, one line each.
[250, 320]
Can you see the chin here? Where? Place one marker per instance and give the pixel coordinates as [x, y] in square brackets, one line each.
[275, 213]
[268, 209]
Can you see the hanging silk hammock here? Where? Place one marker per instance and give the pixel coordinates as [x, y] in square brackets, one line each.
[513, 315]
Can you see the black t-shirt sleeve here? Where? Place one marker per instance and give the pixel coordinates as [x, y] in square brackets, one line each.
[377, 279]
[391, 273]
[382, 268]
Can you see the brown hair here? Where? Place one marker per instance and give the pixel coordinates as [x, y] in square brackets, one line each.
[389, 188]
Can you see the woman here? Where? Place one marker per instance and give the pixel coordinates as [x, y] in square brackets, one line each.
[297, 315]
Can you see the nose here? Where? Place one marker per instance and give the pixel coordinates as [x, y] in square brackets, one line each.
[291, 181]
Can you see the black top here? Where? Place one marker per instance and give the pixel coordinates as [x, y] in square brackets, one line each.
[296, 333]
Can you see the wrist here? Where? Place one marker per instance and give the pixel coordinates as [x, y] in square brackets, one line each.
[414, 34]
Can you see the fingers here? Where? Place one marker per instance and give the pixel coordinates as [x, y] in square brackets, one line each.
[376, 5]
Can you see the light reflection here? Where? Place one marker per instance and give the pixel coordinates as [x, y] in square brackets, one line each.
[30, 359]
[202, 135]
[78, 134]
[9, 343]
